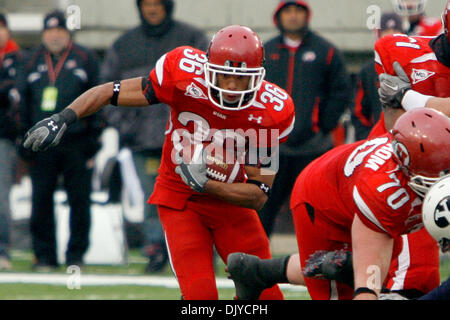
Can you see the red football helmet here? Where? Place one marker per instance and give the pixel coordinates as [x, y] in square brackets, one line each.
[235, 50]
[446, 20]
[421, 143]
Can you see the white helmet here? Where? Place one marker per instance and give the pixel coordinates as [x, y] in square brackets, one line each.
[409, 7]
[436, 212]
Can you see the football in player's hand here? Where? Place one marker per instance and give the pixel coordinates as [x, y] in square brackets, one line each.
[221, 164]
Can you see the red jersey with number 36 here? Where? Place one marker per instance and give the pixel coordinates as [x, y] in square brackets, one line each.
[178, 81]
[360, 178]
[427, 75]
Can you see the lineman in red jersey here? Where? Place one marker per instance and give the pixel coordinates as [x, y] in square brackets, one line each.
[375, 187]
[370, 200]
[223, 89]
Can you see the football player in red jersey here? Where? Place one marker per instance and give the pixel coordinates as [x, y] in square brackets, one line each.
[423, 65]
[418, 23]
[374, 190]
[223, 89]
[426, 62]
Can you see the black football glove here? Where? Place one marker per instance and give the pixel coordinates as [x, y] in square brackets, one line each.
[331, 265]
[393, 88]
[48, 132]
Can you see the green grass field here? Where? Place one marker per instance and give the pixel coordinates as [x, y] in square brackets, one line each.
[21, 290]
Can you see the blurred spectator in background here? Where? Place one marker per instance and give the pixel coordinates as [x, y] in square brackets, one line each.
[132, 55]
[312, 71]
[367, 108]
[55, 73]
[9, 56]
[417, 23]
[7, 44]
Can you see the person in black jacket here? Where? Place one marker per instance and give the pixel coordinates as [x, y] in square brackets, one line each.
[367, 107]
[312, 71]
[9, 58]
[132, 55]
[54, 74]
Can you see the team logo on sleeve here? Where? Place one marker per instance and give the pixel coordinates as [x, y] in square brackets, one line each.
[420, 75]
[195, 92]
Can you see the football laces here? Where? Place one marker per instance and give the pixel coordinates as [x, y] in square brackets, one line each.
[216, 175]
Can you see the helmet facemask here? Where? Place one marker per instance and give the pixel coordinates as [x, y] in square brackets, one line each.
[217, 94]
[409, 7]
[420, 184]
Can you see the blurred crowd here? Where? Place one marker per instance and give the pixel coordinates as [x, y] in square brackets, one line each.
[332, 107]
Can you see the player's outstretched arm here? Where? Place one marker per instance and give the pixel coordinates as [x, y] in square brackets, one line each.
[372, 253]
[128, 94]
[49, 131]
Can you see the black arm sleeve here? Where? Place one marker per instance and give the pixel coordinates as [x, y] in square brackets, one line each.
[148, 91]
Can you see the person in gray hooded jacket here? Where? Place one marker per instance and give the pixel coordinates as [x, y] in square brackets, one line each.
[132, 55]
[312, 70]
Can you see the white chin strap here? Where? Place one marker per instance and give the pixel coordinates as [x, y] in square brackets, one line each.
[256, 78]
[420, 184]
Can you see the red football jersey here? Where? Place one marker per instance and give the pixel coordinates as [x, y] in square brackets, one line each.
[360, 178]
[178, 81]
[427, 75]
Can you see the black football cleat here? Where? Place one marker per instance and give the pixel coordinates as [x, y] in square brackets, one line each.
[243, 270]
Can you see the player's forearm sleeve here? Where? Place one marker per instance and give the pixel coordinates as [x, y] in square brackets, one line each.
[149, 91]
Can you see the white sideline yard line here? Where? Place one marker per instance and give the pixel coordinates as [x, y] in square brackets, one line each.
[112, 280]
